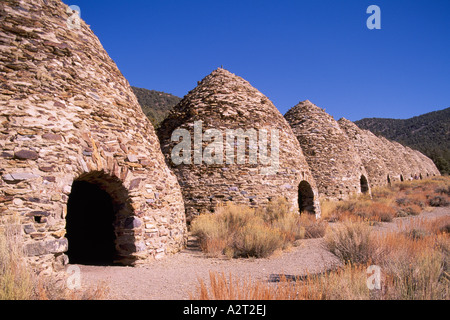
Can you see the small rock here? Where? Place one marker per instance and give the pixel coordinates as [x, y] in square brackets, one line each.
[132, 158]
[26, 155]
[52, 136]
[132, 222]
[11, 177]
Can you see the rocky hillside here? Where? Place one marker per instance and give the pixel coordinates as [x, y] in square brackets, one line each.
[428, 133]
[155, 104]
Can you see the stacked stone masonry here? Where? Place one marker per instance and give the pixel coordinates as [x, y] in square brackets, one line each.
[224, 101]
[332, 157]
[67, 114]
[72, 134]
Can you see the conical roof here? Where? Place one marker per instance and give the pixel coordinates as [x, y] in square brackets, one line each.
[332, 158]
[371, 151]
[68, 114]
[227, 103]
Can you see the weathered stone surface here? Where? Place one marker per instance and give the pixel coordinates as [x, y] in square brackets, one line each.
[332, 157]
[387, 161]
[39, 248]
[26, 155]
[372, 152]
[223, 101]
[52, 136]
[67, 113]
[133, 222]
[19, 176]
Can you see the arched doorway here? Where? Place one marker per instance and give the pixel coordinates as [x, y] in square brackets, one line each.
[90, 229]
[96, 209]
[401, 178]
[364, 184]
[305, 198]
[388, 180]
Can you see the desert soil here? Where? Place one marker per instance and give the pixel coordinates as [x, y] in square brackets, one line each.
[175, 276]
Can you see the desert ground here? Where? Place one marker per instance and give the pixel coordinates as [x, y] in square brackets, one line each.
[176, 276]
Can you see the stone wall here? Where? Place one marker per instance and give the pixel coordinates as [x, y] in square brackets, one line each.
[371, 151]
[383, 158]
[332, 157]
[224, 101]
[66, 114]
[429, 169]
[69, 118]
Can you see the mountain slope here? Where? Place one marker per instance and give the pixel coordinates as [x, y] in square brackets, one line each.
[429, 133]
[155, 104]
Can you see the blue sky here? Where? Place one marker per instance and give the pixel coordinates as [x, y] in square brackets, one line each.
[320, 50]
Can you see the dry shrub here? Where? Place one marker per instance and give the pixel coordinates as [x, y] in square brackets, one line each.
[257, 241]
[314, 228]
[411, 210]
[241, 231]
[55, 288]
[439, 225]
[290, 227]
[223, 288]
[212, 233]
[382, 193]
[16, 281]
[328, 209]
[411, 268]
[275, 210]
[381, 211]
[355, 210]
[351, 242]
[237, 231]
[438, 201]
[348, 283]
[19, 282]
[416, 267]
[400, 199]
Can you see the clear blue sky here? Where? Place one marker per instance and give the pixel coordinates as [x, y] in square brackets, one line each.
[320, 50]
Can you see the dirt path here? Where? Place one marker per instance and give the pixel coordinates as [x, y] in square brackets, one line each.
[175, 276]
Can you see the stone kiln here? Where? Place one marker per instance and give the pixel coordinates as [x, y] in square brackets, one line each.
[371, 151]
[224, 102]
[332, 157]
[81, 166]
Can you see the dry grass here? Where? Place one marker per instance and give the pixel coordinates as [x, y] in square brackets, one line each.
[346, 283]
[399, 200]
[351, 242]
[16, 281]
[414, 260]
[241, 231]
[412, 268]
[416, 267]
[19, 282]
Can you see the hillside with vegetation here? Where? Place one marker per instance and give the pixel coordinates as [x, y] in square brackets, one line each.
[429, 133]
[155, 104]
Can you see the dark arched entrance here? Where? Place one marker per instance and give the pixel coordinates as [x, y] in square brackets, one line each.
[364, 184]
[305, 198]
[96, 222]
[90, 230]
[401, 178]
[388, 179]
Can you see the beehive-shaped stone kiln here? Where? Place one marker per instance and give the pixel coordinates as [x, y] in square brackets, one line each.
[226, 141]
[332, 157]
[81, 167]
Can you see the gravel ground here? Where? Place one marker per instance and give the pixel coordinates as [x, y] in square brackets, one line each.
[176, 276]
